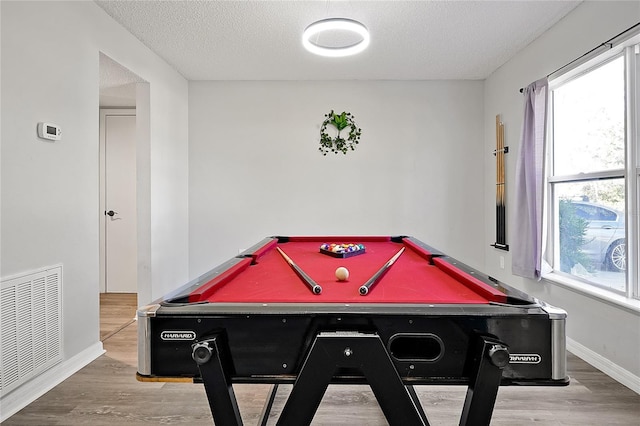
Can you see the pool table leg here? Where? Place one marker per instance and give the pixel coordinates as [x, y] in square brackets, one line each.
[214, 362]
[268, 405]
[486, 358]
[366, 352]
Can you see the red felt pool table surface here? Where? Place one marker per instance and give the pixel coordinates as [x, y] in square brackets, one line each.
[415, 277]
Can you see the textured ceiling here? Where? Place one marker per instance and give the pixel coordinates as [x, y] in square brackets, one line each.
[410, 40]
[114, 75]
[117, 84]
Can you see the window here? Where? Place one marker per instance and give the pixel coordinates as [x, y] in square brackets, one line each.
[593, 172]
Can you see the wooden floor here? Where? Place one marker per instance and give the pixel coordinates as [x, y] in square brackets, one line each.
[106, 393]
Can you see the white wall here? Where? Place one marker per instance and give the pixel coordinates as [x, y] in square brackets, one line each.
[255, 168]
[599, 330]
[50, 56]
[424, 166]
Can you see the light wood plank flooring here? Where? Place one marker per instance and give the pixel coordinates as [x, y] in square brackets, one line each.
[106, 393]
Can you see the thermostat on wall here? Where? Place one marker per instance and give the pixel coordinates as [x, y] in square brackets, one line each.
[49, 131]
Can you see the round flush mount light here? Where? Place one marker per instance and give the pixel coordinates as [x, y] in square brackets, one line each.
[336, 26]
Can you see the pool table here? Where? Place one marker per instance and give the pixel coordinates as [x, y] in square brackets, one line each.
[276, 313]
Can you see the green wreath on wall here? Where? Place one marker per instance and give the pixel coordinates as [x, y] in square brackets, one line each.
[339, 144]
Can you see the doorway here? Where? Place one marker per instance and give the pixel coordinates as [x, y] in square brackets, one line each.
[124, 207]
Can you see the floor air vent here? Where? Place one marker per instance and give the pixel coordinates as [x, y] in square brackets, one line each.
[31, 325]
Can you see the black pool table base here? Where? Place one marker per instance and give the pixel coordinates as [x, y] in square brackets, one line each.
[364, 353]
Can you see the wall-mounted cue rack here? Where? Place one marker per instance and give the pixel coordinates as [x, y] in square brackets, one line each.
[501, 217]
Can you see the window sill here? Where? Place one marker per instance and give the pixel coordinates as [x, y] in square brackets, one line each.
[632, 305]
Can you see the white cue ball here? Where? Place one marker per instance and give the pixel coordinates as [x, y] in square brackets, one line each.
[342, 273]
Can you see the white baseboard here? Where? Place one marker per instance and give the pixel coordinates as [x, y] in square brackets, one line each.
[24, 395]
[612, 370]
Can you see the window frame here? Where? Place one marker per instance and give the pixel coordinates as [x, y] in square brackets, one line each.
[629, 49]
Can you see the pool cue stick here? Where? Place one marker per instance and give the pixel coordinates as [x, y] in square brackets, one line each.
[500, 193]
[501, 187]
[499, 201]
[366, 287]
[313, 286]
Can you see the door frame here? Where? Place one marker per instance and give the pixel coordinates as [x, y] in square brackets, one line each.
[104, 112]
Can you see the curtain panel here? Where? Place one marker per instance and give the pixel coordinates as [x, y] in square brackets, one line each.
[527, 222]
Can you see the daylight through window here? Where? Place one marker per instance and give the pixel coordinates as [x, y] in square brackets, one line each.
[593, 173]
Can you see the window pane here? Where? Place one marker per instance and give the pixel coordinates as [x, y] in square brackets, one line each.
[589, 120]
[590, 225]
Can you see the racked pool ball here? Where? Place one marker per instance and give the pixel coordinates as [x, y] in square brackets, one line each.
[342, 273]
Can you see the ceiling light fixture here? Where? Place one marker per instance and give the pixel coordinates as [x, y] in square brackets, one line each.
[335, 24]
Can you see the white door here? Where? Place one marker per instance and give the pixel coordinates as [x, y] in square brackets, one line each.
[120, 251]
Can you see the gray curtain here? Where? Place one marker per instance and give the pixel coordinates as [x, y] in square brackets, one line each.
[527, 224]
